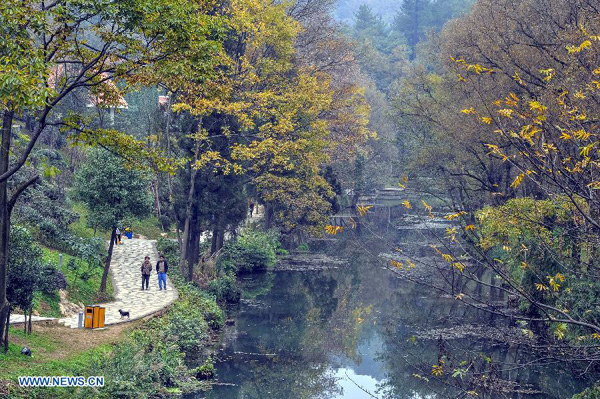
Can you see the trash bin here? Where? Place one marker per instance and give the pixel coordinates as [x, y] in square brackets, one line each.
[94, 317]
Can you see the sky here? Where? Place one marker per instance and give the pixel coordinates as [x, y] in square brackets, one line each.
[345, 9]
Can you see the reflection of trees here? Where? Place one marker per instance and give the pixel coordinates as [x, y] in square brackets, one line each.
[292, 378]
[401, 308]
[497, 377]
[305, 319]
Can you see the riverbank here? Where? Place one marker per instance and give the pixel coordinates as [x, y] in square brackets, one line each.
[146, 357]
[142, 357]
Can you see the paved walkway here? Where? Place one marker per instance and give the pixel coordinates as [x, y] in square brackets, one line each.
[16, 318]
[127, 282]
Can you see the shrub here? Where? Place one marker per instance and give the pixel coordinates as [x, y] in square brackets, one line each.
[169, 249]
[206, 371]
[303, 247]
[143, 365]
[252, 251]
[590, 393]
[186, 326]
[225, 289]
[211, 311]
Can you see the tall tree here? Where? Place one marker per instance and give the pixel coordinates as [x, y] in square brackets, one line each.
[412, 20]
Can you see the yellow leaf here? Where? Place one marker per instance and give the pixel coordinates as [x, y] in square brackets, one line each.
[518, 180]
[459, 266]
[455, 215]
[447, 257]
[541, 287]
[396, 264]
[363, 209]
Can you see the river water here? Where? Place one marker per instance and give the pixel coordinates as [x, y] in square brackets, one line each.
[355, 330]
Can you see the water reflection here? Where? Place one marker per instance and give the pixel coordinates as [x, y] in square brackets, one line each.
[348, 333]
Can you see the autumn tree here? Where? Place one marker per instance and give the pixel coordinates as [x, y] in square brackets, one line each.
[507, 119]
[273, 114]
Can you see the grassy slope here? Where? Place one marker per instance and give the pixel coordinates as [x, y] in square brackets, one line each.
[83, 283]
[57, 350]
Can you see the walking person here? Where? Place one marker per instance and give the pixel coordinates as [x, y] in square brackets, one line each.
[146, 270]
[251, 208]
[161, 268]
[118, 233]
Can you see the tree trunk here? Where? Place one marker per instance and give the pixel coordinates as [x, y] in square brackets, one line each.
[193, 251]
[111, 246]
[268, 215]
[7, 119]
[213, 241]
[7, 320]
[30, 313]
[193, 246]
[155, 188]
[183, 259]
[190, 271]
[220, 238]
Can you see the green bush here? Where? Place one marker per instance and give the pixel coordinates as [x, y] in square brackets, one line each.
[169, 249]
[186, 326]
[144, 365]
[590, 393]
[252, 251]
[303, 247]
[206, 371]
[206, 302]
[225, 289]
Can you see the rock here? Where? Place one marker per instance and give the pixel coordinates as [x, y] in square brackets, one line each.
[229, 322]
[67, 308]
[26, 351]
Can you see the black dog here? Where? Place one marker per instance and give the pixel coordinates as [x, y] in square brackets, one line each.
[124, 313]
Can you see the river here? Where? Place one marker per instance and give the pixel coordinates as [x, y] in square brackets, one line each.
[355, 331]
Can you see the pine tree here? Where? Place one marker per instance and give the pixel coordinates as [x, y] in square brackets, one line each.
[368, 25]
[412, 20]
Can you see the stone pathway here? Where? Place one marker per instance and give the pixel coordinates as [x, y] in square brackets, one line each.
[16, 318]
[127, 282]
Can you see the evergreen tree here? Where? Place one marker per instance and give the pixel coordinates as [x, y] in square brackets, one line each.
[412, 20]
[416, 17]
[369, 26]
